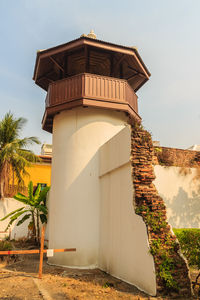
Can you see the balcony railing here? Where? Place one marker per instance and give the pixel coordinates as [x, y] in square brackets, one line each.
[91, 86]
[89, 90]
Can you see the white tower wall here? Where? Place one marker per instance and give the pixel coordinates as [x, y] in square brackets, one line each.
[74, 200]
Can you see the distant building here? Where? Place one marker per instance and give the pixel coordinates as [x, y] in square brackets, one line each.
[39, 172]
[194, 147]
[46, 149]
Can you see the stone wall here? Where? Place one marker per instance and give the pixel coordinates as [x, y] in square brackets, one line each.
[167, 156]
[172, 273]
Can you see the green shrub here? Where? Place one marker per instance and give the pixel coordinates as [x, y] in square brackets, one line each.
[189, 239]
[5, 246]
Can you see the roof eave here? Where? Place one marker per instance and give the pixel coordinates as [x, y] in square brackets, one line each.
[92, 42]
[36, 66]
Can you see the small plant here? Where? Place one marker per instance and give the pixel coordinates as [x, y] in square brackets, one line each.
[166, 264]
[155, 246]
[108, 284]
[140, 209]
[161, 250]
[164, 157]
[35, 209]
[189, 239]
[157, 149]
[5, 245]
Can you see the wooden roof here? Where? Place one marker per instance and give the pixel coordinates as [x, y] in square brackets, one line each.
[92, 56]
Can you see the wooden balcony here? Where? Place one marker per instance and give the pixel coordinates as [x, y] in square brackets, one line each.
[89, 90]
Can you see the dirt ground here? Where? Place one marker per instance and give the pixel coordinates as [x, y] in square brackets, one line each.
[18, 281]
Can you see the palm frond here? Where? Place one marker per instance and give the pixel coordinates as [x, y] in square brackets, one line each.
[43, 195]
[28, 155]
[21, 221]
[23, 143]
[21, 198]
[12, 213]
[37, 194]
[19, 165]
[30, 191]
[10, 128]
[42, 208]
[12, 148]
[14, 217]
[43, 218]
[18, 214]
[9, 224]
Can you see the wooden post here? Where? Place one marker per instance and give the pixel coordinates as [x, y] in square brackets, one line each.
[41, 251]
[34, 251]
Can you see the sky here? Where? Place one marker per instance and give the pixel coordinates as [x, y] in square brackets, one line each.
[166, 34]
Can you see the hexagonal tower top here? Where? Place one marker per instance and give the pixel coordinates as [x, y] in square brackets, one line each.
[88, 55]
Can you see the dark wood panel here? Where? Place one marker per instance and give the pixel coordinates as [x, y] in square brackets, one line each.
[89, 90]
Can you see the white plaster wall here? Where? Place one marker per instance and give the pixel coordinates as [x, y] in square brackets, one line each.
[124, 248]
[180, 189]
[75, 191]
[6, 206]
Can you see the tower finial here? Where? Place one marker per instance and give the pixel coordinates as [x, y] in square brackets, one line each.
[92, 35]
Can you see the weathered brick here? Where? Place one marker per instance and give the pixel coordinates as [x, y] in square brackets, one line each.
[142, 158]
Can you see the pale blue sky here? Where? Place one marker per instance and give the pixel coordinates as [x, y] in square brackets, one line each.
[166, 33]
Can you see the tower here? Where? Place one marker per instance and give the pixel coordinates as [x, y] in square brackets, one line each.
[91, 95]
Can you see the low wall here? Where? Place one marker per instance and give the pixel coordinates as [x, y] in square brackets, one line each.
[180, 189]
[124, 248]
[6, 206]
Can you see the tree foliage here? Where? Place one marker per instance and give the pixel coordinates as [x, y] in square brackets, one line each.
[14, 156]
[189, 239]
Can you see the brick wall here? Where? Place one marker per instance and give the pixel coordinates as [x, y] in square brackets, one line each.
[172, 273]
[176, 157]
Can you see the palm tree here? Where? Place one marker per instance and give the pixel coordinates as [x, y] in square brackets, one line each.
[14, 157]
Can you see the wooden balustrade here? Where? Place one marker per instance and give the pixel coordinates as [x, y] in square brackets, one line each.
[89, 90]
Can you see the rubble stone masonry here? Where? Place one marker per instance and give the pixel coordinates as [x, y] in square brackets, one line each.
[172, 273]
[176, 157]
